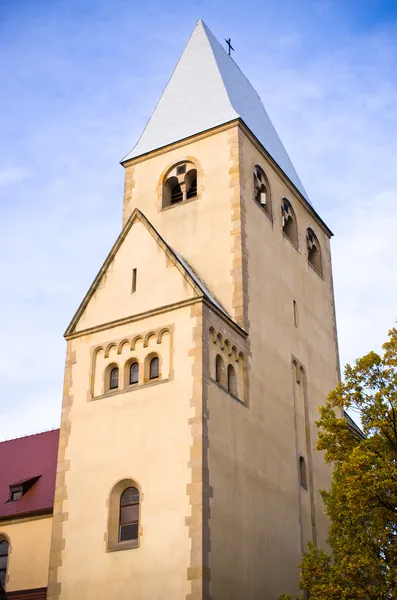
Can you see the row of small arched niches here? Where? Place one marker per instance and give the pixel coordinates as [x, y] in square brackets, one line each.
[132, 373]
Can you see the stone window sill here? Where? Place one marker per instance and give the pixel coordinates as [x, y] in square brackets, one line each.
[133, 387]
[291, 242]
[131, 544]
[264, 211]
[228, 393]
[181, 203]
[315, 270]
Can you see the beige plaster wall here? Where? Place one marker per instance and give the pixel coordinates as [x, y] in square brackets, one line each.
[246, 513]
[29, 552]
[200, 228]
[113, 298]
[260, 515]
[141, 434]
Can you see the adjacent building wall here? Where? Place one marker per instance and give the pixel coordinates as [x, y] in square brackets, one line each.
[29, 553]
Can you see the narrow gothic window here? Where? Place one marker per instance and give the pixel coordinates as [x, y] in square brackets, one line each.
[302, 472]
[219, 370]
[114, 378]
[231, 380]
[180, 184]
[262, 191]
[314, 251]
[154, 368]
[288, 222]
[134, 373]
[129, 515]
[4, 547]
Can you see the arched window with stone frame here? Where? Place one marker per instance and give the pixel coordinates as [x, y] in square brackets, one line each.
[262, 191]
[112, 378]
[134, 373]
[129, 515]
[124, 516]
[288, 222]
[152, 369]
[180, 184]
[314, 251]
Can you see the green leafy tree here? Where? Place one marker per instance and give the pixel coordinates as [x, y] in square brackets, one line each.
[362, 501]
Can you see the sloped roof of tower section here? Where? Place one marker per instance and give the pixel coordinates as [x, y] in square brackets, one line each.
[180, 263]
[208, 89]
[353, 425]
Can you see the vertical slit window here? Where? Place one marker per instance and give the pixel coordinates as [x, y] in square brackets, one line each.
[133, 285]
[296, 316]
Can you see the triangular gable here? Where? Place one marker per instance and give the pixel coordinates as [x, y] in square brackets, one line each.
[192, 286]
[207, 89]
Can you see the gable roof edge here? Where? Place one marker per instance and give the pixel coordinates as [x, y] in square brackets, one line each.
[184, 269]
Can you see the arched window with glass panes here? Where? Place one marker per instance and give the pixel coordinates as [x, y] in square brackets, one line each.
[154, 368]
[114, 378]
[129, 515]
[134, 373]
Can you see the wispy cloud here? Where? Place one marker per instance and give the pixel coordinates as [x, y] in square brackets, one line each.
[12, 175]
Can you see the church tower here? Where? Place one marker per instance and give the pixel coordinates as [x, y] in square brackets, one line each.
[197, 361]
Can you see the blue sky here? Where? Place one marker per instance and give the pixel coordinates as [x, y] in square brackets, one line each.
[80, 79]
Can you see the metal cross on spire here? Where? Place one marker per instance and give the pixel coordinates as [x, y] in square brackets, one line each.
[230, 47]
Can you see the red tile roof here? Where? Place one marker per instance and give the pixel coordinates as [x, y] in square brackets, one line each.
[22, 459]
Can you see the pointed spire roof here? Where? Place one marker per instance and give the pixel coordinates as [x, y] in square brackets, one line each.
[205, 90]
